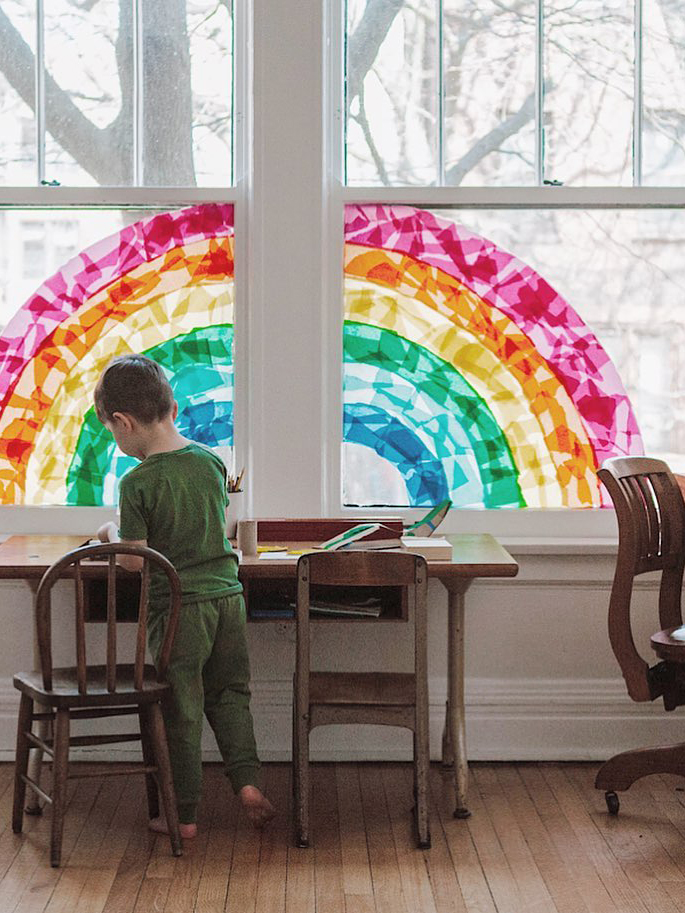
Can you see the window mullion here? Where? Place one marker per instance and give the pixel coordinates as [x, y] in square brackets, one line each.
[637, 99]
[138, 113]
[441, 94]
[40, 90]
[539, 93]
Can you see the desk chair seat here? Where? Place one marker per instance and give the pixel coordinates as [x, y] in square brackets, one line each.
[651, 523]
[65, 687]
[60, 695]
[387, 698]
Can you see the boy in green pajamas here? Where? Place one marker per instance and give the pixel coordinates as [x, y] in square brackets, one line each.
[175, 502]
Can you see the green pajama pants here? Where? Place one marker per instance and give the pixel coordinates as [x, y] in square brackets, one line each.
[209, 674]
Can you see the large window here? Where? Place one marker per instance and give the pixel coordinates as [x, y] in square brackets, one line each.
[111, 94]
[549, 135]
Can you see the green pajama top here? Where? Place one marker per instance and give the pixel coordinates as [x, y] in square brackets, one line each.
[177, 502]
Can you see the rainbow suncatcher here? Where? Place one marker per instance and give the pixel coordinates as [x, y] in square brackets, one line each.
[463, 367]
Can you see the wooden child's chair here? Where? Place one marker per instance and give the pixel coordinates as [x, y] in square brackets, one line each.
[394, 699]
[87, 692]
[651, 526]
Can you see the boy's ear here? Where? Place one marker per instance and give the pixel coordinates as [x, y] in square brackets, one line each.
[174, 411]
[123, 419]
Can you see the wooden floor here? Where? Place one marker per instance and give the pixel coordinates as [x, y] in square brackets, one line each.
[539, 841]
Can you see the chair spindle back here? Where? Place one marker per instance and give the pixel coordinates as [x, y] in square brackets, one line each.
[360, 568]
[71, 565]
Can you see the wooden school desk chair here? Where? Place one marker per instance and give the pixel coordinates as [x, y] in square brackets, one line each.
[91, 691]
[390, 698]
[651, 525]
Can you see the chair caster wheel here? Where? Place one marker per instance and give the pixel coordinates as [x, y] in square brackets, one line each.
[612, 802]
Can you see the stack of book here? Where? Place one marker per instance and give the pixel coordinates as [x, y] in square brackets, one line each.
[433, 548]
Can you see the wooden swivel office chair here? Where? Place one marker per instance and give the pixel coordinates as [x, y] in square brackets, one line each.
[86, 692]
[394, 699]
[651, 525]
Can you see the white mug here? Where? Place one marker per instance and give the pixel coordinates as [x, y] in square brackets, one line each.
[247, 537]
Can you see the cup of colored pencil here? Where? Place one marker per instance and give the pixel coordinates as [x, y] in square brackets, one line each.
[236, 502]
[235, 482]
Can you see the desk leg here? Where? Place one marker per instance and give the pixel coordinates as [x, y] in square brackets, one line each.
[35, 766]
[454, 736]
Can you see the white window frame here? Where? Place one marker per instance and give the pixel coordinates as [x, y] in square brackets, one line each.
[36, 198]
[582, 527]
[289, 201]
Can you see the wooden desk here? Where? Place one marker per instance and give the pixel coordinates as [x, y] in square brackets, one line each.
[474, 556]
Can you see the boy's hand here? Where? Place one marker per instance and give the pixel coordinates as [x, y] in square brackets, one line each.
[108, 532]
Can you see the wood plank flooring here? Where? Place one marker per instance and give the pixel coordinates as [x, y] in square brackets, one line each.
[539, 841]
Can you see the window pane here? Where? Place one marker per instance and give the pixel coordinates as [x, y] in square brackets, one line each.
[188, 94]
[588, 55]
[498, 357]
[392, 92]
[663, 67]
[89, 92]
[160, 284]
[92, 103]
[489, 60]
[17, 78]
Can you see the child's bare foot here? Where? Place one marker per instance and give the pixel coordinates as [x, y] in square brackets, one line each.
[257, 807]
[159, 826]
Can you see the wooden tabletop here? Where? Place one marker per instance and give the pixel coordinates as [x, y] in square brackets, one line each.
[27, 557]
[473, 555]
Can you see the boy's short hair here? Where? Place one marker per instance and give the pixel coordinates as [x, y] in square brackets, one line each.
[136, 385]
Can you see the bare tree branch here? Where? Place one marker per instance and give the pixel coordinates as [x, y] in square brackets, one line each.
[106, 153]
[366, 40]
[491, 141]
[364, 123]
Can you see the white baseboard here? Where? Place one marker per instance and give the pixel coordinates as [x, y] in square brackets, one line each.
[506, 720]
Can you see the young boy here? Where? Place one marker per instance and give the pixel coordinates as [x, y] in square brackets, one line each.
[175, 502]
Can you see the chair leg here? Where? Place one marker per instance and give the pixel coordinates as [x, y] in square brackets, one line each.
[421, 768]
[60, 770]
[294, 755]
[165, 779]
[149, 759]
[301, 775]
[21, 761]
